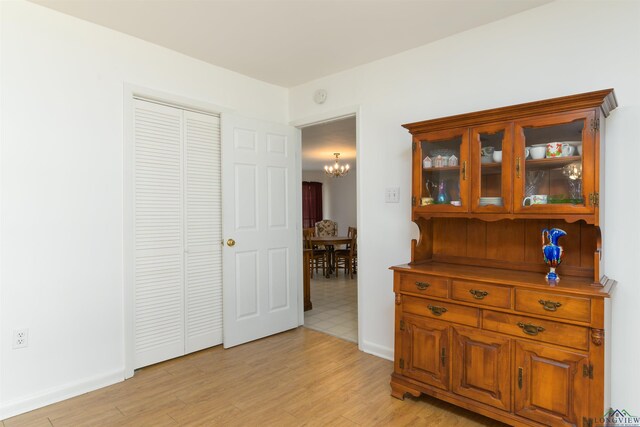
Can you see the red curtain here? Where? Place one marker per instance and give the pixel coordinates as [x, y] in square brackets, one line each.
[311, 203]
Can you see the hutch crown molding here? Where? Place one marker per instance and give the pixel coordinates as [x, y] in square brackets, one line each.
[477, 324]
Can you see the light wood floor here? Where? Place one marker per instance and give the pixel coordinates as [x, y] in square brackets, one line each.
[300, 377]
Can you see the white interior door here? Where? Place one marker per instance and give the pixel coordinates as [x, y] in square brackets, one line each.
[260, 190]
[177, 230]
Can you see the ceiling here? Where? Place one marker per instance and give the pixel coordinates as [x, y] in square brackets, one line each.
[290, 42]
[320, 141]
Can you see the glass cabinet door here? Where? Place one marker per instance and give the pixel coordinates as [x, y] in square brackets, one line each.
[491, 182]
[554, 164]
[442, 184]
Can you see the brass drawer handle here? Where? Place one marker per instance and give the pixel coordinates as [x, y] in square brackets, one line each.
[478, 294]
[422, 285]
[530, 329]
[550, 305]
[437, 310]
[520, 378]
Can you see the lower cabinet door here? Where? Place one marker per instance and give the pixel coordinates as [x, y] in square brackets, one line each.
[480, 366]
[551, 385]
[425, 351]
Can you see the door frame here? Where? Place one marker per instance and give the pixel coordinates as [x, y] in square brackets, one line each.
[130, 93]
[330, 116]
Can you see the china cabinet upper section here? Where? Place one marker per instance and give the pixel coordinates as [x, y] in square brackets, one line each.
[534, 160]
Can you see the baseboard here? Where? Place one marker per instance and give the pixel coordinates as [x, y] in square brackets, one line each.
[377, 350]
[56, 394]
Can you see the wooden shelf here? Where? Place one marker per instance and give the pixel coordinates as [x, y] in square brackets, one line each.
[442, 169]
[552, 161]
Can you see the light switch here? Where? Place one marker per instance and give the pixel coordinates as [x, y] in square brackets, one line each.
[392, 195]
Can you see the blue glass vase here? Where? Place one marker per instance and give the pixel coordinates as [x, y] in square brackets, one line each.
[552, 251]
[443, 196]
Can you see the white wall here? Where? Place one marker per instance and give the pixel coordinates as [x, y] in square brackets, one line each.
[62, 88]
[338, 198]
[558, 49]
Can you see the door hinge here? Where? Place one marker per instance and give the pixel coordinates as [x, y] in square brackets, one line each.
[594, 199]
[402, 325]
[413, 201]
[414, 145]
[401, 363]
[587, 371]
[595, 125]
[587, 422]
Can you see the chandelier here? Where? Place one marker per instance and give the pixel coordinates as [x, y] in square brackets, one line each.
[336, 170]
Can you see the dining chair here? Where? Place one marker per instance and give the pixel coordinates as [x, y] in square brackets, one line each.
[351, 232]
[348, 258]
[319, 257]
[326, 227]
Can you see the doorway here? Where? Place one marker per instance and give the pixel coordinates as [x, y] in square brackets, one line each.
[332, 199]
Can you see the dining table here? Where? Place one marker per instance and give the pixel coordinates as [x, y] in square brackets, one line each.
[330, 242]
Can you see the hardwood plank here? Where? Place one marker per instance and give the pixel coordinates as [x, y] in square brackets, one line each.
[588, 239]
[297, 378]
[476, 238]
[449, 236]
[505, 240]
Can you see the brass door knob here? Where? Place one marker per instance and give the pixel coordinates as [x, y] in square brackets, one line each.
[231, 242]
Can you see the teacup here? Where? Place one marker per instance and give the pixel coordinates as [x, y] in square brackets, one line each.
[538, 152]
[536, 199]
[580, 150]
[554, 149]
[526, 152]
[497, 156]
[487, 151]
[568, 150]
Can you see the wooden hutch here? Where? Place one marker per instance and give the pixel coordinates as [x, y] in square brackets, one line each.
[477, 324]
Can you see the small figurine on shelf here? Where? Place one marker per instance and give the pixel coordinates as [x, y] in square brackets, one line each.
[453, 160]
[552, 252]
[426, 163]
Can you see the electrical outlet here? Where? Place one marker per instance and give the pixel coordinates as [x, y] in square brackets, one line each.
[20, 338]
[392, 195]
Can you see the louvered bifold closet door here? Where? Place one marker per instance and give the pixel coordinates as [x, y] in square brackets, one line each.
[203, 231]
[158, 226]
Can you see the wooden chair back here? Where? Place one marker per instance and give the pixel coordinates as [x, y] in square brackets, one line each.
[326, 227]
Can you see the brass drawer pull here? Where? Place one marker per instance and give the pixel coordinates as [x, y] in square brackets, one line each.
[520, 378]
[550, 305]
[422, 285]
[478, 294]
[437, 310]
[530, 329]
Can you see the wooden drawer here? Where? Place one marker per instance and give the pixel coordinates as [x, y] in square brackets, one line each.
[424, 284]
[441, 310]
[537, 329]
[553, 305]
[481, 293]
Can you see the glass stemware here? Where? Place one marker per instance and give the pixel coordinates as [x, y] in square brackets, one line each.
[532, 180]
